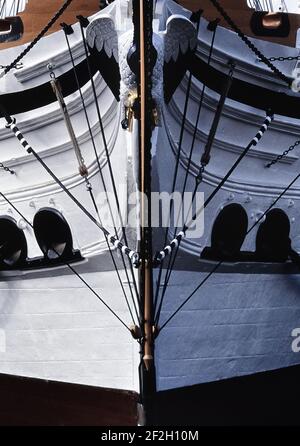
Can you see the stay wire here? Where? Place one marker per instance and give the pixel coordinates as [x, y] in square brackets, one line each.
[41, 34]
[106, 149]
[222, 261]
[104, 185]
[254, 141]
[173, 256]
[187, 96]
[70, 267]
[198, 182]
[168, 249]
[248, 42]
[112, 257]
[11, 124]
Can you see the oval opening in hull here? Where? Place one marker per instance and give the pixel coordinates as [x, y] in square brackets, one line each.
[228, 234]
[53, 234]
[13, 245]
[273, 237]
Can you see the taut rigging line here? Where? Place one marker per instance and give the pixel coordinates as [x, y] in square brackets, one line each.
[83, 21]
[178, 238]
[71, 268]
[69, 30]
[168, 249]
[221, 261]
[214, 29]
[186, 103]
[11, 123]
[203, 163]
[41, 34]
[249, 44]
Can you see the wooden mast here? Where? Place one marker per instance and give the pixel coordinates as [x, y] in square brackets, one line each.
[146, 54]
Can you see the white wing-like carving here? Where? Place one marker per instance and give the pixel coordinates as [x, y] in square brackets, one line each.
[157, 76]
[179, 37]
[128, 78]
[101, 34]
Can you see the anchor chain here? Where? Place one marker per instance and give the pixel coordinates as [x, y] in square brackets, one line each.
[285, 153]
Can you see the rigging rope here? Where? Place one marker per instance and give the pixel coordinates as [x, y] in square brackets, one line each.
[212, 26]
[83, 171]
[69, 30]
[176, 242]
[189, 84]
[248, 42]
[222, 261]
[162, 254]
[133, 255]
[90, 190]
[70, 267]
[203, 163]
[37, 38]
[83, 21]
[206, 155]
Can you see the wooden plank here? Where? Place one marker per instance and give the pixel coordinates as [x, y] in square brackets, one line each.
[241, 15]
[36, 402]
[38, 13]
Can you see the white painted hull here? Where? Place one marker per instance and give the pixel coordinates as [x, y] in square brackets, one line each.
[56, 329]
[236, 324]
[241, 320]
[52, 326]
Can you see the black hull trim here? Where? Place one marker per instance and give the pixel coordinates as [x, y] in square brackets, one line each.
[264, 399]
[250, 94]
[42, 95]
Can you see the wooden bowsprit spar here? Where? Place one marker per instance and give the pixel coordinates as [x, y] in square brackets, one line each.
[142, 20]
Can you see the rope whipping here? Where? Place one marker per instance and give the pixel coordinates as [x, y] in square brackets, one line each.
[70, 267]
[68, 30]
[11, 123]
[189, 84]
[169, 248]
[83, 171]
[212, 26]
[221, 261]
[83, 24]
[203, 163]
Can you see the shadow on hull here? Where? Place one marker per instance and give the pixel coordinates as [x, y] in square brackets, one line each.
[264, 399]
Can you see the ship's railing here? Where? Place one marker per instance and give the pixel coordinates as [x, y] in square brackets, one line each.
[10, 8]
[289, 6]
[229, 45]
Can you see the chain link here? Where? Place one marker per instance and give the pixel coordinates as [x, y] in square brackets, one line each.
[17, 66]
[285, 153]
[249, 43]
[6, 169]
[37, 38]
[281, 58]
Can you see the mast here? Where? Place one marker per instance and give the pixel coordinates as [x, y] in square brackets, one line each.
[142, 16]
